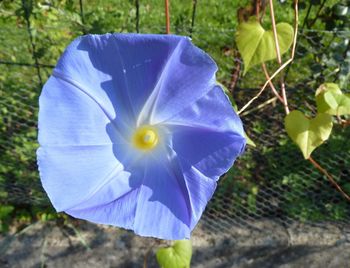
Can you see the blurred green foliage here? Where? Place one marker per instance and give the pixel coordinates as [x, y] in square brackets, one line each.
[33, 31]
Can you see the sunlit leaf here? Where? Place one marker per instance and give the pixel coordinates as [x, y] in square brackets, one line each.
[249, 140]
[257, 45]
[328, 86]
[331, 100]
[177, 256]
[308, 134]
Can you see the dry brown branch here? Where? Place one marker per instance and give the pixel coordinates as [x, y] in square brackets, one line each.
[329, 177]
[267, 76]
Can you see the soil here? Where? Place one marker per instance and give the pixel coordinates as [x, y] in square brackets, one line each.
[261, 243]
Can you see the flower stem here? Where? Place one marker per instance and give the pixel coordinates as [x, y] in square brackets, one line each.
[167, 17]
[82, 16]
[274, 29]
[271, 84]
[279, 59]
[137, 7]
[194, 6]
[265, 85]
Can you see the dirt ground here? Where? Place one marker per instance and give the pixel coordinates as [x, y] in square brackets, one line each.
[259, 244]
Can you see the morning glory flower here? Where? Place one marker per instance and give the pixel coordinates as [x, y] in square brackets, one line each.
[135, 132]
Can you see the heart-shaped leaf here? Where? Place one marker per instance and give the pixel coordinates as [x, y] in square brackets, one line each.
[331, 100]
[257, 45]
[177, 256]
[328, 86]
[308, 134]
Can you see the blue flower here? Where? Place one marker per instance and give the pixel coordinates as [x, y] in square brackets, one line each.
[134, 132]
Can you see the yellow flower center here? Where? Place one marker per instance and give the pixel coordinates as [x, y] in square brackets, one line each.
[145, 138]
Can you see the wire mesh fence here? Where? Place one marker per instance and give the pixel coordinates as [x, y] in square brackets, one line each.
[269, 181]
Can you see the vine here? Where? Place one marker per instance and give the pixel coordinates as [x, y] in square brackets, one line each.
[254, 46]
[307, 133]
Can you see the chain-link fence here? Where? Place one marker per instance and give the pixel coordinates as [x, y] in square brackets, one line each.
[271, 181]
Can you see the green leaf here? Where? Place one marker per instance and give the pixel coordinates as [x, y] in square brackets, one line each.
[343, 103]
[257, 45]
[177, 256]
[5, 211]
[249, 140]
[328, 86]
[308, 134]
[331, 100]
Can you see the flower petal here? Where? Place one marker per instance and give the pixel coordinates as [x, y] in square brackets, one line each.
[119, 185]
[72, 174]
[162, 206]
[68, 116]
[120, 70]
[198, 188]
[213, 111]
[119, 212]
[211, 153]
[208, 134]
[189, 75]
